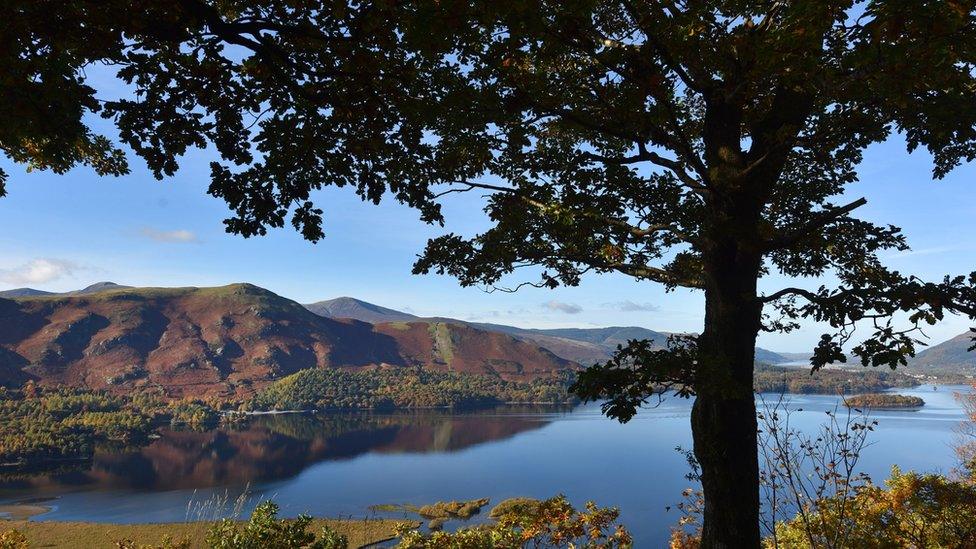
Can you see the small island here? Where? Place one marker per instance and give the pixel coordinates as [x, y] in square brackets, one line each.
[883, 400]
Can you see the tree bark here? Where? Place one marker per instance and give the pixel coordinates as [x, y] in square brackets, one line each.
[723, 418]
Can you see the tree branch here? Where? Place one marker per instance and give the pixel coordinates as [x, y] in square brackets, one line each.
[645, 155]
[817, 222]
[636, 232]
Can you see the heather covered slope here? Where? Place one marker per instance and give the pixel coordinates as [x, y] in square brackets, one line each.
[226, 341]
[450, 347]
[584, 346]
[949, 356]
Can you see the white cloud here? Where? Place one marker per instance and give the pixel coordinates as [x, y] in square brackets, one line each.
[38, 271]
[925, 251]
[568, 308]
[631, 307]
[177, 236]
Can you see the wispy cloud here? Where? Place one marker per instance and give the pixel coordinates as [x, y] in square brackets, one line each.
[568, 308]
[38, 271]
[179, 236]
[632, 307]
[926, 251]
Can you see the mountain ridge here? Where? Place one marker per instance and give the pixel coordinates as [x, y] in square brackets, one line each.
[952, 355]
[581, 345]
[104, 286]
[229, 341]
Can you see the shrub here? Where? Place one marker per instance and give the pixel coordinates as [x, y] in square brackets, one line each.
[915, 510]
[13, 539]
[265, 530]
[553, 523]
[167, 543]
[515, 506]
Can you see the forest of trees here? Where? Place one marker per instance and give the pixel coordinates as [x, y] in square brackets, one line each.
[333, 389]
[43, 427]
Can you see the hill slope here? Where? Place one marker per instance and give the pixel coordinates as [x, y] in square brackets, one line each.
[585, 346]
[227, 341]
[949, 356]
[348, 307]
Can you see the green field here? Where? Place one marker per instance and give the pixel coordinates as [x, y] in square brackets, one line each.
[97, 536]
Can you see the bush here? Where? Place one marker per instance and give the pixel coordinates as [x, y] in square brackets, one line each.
[923, 511]
[266, 531]
[515, 506]
[167, 543]
[553, 523]
[13, 539]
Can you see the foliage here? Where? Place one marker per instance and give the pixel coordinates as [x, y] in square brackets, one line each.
[700, 145]
[452, 509]
[883, 400]
[265, 530]
[773, 379]
[802, 471]
[814, 482]
[167, 543]
[552, 523]
[192, 413]
[515, 506]
[914, 510]
[329, 389]
[42, 425]
[13, 539]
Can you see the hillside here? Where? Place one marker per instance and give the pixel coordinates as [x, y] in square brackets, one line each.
[585, 346]
[348, 307]
[949, 356]
[227, 341]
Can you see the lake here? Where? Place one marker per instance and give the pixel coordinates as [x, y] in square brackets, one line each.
[340, 464]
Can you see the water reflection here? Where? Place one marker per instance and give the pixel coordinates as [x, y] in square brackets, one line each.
[276, 447]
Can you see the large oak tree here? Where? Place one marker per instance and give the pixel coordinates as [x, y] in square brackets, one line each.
[700, 144]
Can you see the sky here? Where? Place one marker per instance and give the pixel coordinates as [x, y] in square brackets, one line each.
[63, 232]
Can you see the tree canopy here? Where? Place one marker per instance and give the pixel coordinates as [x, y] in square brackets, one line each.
[601, 129]
[697, 144]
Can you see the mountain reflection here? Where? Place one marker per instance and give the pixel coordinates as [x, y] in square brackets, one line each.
[276, 447]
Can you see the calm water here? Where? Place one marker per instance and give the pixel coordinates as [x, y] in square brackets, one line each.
[339, 465]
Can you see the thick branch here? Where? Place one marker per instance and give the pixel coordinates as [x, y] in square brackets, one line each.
[636, 232]
[645, 155]
[814, 224]
[656, 274]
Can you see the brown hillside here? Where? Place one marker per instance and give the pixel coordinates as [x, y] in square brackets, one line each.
[225, 341]
[449, 347]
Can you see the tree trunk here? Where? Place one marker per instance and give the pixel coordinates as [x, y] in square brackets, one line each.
[723, 418]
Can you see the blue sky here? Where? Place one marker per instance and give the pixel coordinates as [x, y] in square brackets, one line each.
[64, 232]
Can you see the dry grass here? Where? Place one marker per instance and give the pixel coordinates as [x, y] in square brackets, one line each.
[98, 536]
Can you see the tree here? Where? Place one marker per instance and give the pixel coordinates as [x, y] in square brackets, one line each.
[696, 144]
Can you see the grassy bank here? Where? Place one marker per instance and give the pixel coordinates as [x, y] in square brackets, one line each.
[97, 536]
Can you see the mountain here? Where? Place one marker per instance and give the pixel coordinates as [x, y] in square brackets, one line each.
[31, 292]
[99, 287]
[348, 307]
[581, 345]
[949, 356]
[23, 292]
[229, 341]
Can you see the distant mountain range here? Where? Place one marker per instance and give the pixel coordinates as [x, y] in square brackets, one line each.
[31, 292]
[229, 341]
[581, 345]
[233, 340]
